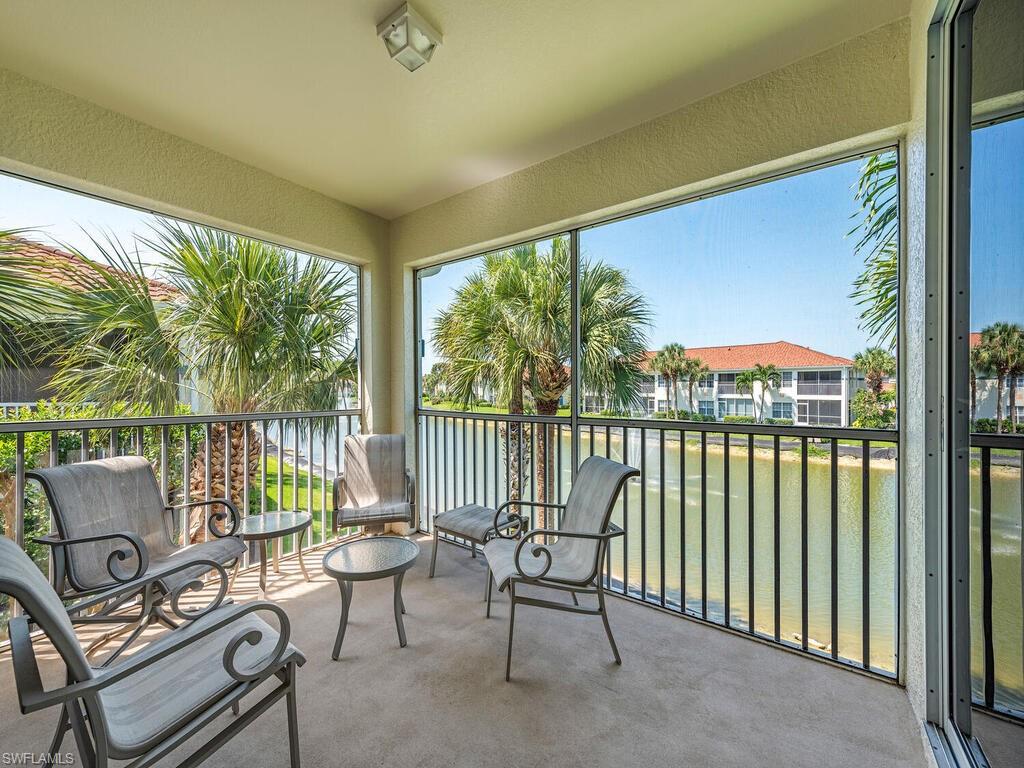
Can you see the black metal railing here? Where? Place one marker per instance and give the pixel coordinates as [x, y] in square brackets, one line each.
[294, 458]
[790, 534]
[997, 573]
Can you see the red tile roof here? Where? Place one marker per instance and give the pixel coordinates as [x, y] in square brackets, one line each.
[782, 354]
[975, 339]
[58, 266]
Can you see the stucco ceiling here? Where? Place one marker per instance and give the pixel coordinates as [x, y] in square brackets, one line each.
[306, 91]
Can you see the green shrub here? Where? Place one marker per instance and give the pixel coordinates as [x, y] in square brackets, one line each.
[779, 422]
[482, 403]
[738, 419]
[988, 426]
[871, 410]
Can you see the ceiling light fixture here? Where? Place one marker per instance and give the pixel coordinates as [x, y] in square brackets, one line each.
[410, 40]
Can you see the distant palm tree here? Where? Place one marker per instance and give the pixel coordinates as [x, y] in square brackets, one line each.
[694, 370]
[670, 363]
[875, 363]
[510, 323]
[768, 377]
[253, 327]
[745, 386]
[1004, 351]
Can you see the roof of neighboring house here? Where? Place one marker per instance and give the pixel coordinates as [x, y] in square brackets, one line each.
[781, 354]
[975, 338]
[58, 266]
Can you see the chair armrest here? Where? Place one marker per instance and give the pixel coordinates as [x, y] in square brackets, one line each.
[226, 503]
[519, 519]
[32, 697]
[146, 583]
[136, 546]
[541, 550]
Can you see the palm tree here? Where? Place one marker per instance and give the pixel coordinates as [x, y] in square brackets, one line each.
[745, 386]
[876, 289]
[1004, 351]
[670, 363]
[253, 327]
[509, 323]
[875, 363]
[768, 377]
[694, 370]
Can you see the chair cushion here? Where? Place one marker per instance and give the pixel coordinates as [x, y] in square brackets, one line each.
[221, 550]
[471, 522]
[565, 565]
[393, 512]
[157, 700]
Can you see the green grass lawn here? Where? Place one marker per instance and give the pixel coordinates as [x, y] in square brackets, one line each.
[449, 405]
[284, 496]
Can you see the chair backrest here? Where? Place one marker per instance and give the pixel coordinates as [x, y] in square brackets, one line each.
[592, 496]
[374, 469]
[23, 581]
[104, 496]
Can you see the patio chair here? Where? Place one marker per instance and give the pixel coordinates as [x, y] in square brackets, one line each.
[113, 527]
[570, 556]
[375, 488]
[150, 703]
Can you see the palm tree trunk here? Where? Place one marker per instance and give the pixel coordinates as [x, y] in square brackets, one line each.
[240, 466]
[545, 458]
[999, 404]
[689, 388]
[1013, 402]
[515, 432]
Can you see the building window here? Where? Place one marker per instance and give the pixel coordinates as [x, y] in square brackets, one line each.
[706, 407]
[819, 383]
[787, 378]
[732, 407]
[708, 382]
[782, 410]
[820, 412]
[727, 383]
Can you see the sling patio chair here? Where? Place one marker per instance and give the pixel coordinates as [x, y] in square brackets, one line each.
[113, 527]
[151, 702]
[569, 557]
[375, 488]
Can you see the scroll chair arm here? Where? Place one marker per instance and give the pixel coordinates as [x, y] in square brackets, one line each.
[146, 584]
[541, 550]
[136, 546]
[517, 518]
[226, 503]
[32, 696]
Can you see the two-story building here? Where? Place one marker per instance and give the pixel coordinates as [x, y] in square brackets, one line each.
[815, 387]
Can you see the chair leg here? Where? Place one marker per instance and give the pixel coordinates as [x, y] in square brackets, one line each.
[293, 718]
[472, 546]
[433, 556]
[63, 726]
[490, 584]
[604, 618]
[575, 600]
[511, 627]
[86, 751]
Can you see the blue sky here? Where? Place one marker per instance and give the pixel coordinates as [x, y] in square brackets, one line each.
[997, 224]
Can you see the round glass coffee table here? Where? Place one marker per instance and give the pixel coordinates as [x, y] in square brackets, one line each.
[376, 557]
[272, 527]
